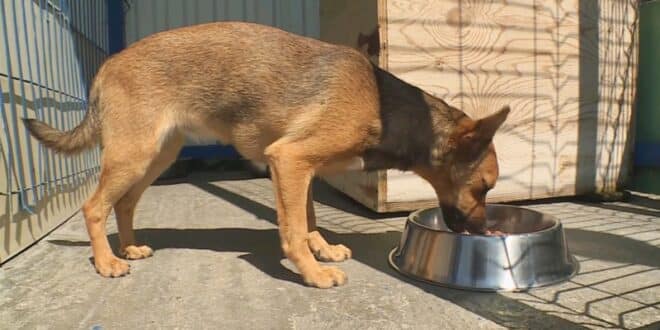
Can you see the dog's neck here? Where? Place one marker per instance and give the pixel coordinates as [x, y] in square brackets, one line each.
[412, 123]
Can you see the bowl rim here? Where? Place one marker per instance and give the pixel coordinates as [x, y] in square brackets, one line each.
[556, 223]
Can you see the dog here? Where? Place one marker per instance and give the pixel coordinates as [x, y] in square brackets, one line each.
[300, 105]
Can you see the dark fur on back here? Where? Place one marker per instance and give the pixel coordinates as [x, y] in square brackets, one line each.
[410, 121]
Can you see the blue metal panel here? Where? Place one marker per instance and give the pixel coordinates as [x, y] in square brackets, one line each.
[11, 120]
[116, 19]
[213, 151]
[647, 154]
[51, 50]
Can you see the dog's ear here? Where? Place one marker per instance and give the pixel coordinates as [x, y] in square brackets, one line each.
[486, 127]
[475, 140]
[471, 139]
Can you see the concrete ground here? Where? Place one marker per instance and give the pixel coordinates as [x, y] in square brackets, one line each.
[218, 265]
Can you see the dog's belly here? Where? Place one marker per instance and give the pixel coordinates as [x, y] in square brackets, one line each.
[344, 165]
[251, 140]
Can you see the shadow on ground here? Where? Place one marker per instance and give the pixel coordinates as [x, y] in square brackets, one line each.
[262, 250]
[604, 246]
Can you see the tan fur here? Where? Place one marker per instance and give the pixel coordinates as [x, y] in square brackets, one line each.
[81, 138]
[300, 105]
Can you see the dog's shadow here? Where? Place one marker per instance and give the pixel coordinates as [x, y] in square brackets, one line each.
[261, 247]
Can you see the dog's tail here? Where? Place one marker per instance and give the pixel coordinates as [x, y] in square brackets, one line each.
[84, 136]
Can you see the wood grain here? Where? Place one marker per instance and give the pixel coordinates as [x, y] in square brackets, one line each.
[617, 77]
[363, 187]
[566, 68]
[561, 79]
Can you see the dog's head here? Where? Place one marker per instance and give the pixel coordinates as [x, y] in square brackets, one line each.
[463, 169]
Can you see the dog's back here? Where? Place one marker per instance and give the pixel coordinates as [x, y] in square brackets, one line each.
[231, 61]
[237, 82]
[240, 83]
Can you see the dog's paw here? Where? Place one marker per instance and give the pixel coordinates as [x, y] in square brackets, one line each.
[325, 277]
[332, 253]
[112, 267]
[137, 252]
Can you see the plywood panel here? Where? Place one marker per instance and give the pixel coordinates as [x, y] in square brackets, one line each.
[566, 68]
[470, 55]
[617, 54]
[405, 187]
[544, 59]
[361, 186]
[555, 147]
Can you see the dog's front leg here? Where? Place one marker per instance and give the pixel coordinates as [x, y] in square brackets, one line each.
[317, 244]
[291, 174]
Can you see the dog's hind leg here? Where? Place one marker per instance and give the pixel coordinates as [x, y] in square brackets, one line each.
[317, 244]
[125, 162]
[125, 207]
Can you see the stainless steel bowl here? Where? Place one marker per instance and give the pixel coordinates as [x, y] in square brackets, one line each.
[532, 254]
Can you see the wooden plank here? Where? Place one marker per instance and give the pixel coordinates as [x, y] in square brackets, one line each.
[557, 107]
[539, 58]
[360, 186]
[406, 186]
[382, 26]
[470, 67]
[617, 36]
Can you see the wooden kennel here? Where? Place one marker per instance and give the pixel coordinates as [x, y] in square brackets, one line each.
[567, 69]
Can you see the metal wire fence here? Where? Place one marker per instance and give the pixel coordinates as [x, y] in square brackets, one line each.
[50, 52]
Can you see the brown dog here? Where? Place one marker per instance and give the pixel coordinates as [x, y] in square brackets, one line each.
[301, 105]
